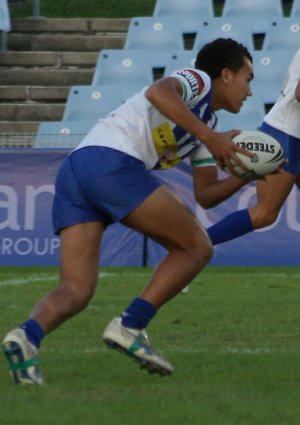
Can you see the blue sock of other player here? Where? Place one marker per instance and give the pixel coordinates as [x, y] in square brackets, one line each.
[232, 226]
[33, 331]
[138, 314]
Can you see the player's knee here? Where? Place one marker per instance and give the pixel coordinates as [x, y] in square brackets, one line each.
[200, 251]
[78, 299]
[264, 218]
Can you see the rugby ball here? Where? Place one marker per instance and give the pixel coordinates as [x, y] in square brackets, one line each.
[268, 154]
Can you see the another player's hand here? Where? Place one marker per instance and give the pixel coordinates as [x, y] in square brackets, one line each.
[224, 150]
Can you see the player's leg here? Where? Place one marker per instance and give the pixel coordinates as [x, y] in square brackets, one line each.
[78, 278]
[274, 189]
[79, 269]
[271, 193]
[165, 219]
[297, 181]
[80, 227]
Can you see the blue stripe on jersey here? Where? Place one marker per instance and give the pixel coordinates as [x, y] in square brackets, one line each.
[201, 110]
[185, 142]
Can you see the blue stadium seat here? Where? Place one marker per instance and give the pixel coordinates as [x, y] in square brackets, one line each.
[249, 118]
[246, 120]
[61, 134]
[237, 28]
[5, 23]
[283, 33]
[129, 70]
[252, 8]
[270, 67]
[257, 11]
[295, 10]
[178, 60]
[156, 35]
[190, 12]
[91, 102]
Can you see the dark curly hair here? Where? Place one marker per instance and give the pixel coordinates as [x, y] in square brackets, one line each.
[219, 54]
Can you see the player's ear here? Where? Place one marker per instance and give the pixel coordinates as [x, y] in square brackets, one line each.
[226, 75]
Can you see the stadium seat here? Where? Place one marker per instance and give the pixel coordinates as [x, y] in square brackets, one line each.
[257, 11]
[61, 134]
[283, 33]
[237, 28]
[246, 120]
[129, 70]
[269, 70]
[249, 118]
[190, 12]
[91, 102]
[178, 60]
[295, 10]
[252, 8]
[156, 35]
[5, 23]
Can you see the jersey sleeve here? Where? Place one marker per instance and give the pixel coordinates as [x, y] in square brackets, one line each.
[195, 84]
[201, 157]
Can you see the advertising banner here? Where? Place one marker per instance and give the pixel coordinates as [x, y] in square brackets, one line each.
[26, 237]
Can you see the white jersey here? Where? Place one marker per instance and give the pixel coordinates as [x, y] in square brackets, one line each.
[285, 114]
[138, 129]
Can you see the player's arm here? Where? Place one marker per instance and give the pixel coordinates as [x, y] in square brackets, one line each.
[166, 95]
[297, 91]
[209, 191]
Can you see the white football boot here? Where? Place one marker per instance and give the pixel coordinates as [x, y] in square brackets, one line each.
[136, 345]
[22, 357]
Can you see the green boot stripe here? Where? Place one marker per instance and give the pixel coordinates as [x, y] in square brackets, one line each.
[137, 344]
[24, 365]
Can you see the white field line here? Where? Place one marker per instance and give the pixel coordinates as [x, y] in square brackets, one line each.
[35, 277]
[223, 351]
[27, 280]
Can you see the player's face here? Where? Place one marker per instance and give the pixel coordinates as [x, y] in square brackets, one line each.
[238, 87]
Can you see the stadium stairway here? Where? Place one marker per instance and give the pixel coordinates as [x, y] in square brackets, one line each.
[45, 57]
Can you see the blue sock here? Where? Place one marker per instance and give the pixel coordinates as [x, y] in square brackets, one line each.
[232, 226]
[138, 314]
[33, 331]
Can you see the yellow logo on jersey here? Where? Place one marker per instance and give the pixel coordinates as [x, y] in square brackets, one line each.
[165, 145]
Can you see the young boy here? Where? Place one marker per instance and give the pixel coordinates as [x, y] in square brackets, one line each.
[107, 179]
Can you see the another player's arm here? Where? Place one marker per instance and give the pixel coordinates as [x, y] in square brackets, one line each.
[209, 191]
[297, 91]
[297, 95]
[166, 95]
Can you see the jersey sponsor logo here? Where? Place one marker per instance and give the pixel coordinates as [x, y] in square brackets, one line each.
[194, 80]
[165, 145]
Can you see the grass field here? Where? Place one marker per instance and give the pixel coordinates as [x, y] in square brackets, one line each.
[234, 341]
[101, 8]
[87, 8]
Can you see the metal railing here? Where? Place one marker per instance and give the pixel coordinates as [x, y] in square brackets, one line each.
[36, 8]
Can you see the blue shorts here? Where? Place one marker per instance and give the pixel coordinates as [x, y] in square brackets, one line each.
[99, 184]
[290, 145]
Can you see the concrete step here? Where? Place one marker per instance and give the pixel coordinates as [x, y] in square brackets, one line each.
[77, 43]
[79, 25]
[33, 94]
[46, 77]
[45, 57]
[17, 138]
[31, 111]
[19, 126]
[53, 59]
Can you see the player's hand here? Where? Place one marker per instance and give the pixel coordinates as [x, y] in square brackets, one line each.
[224, 150]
